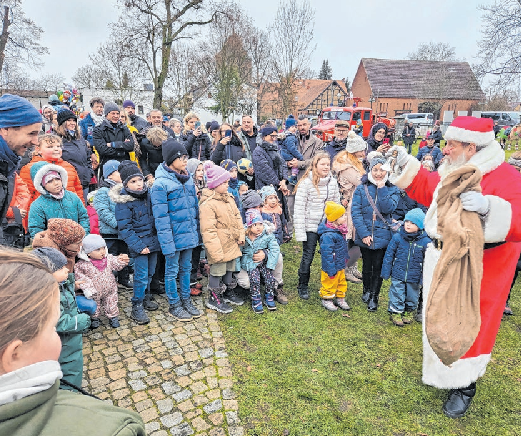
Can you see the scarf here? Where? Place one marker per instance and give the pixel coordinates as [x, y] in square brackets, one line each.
[183, 178]
[342, 229]
[233, 183]
[29, 380]
[59, 195]
[372, 180]
[137, 194]
[269, 146]
[9, 157]
[101, 264]
[339, 144]
[98, 119]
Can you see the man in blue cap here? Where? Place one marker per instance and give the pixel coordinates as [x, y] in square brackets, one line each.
[20, 124]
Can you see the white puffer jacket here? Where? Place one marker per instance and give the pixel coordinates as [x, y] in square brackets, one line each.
[310, 204]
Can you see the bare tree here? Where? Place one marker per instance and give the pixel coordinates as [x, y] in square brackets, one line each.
[152, 26]
[19, 40]
[292, 36]
[49, 82]
[433, 51]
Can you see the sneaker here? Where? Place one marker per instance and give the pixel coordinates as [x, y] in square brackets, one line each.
[342, 304]
[396, 318]
[356, 272]
[149, 303]
[178, 312]
[280, 296]
[407, 317]
[329, 305]
[215, 302]
[138, 314]
[114, 322]
[94, 323]
[256, 304]
[350, 276]
[229, 296]
[190, 308]
[269, 299]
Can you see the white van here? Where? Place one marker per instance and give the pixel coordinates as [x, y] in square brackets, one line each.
[420, 118]
[503, 118]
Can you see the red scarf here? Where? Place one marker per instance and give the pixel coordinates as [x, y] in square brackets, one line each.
[101, 264]
[343, 229]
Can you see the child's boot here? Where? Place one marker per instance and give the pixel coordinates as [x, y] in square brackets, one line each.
[190, 308]
[138, 314]
[396, 318]
[114, 322]
[94, 323]
[230, 296]
[256, 303]
[342, 303]
[280, 296]
[329, 305]
[215, 301]
[178, 311]
[269, 299]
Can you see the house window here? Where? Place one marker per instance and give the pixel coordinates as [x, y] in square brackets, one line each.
[140, 109]
[404, 106]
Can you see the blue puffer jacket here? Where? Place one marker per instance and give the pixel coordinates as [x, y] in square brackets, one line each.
[289, 148]
[404, 256]
[333, 249]
[135, 221]
[435, 152]
[266, 241]
[176, 211]
[87, 127]
[386, 200]
[106, 209]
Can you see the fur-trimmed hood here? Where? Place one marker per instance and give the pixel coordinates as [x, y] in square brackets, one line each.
[117, 197]
[39, 169]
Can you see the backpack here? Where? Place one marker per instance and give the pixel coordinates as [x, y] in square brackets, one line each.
[14, 233]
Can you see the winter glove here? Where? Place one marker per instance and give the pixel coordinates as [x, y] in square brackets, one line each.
[403, 156]
[474, 202]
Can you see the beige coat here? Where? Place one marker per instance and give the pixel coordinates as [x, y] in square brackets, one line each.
[221, 226]
[348, 179]
[308, 147]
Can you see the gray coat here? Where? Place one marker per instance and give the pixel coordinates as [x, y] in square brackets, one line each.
[308, 146]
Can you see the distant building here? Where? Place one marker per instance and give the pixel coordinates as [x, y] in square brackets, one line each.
[37, 97]
[142, 98]
[395, 87]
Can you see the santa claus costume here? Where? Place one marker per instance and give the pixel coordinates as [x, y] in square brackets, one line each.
[501, 220]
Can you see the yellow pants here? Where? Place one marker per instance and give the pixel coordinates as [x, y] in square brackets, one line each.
[335, 287]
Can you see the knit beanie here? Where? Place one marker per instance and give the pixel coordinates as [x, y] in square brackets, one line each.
[111, 107]
[16, 111]
[214, 125]
[251, 199]
[215, 175]
[243, 165]
[375, 161]
[128, 169]
[129, 103]
[290, 121]
[64, 231]
[192, 165]
[416, 216]
[228, 164]
[266, 191]
[51, 258]
[109, 167]
[172, 150]
[334, 211]
[253, 216]
[64, 115]
[265, 131]
[355, 143]
[92, 242]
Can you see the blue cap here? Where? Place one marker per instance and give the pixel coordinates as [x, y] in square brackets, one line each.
[16, 111]
[416, 216]
[265, 131]
[110, 167]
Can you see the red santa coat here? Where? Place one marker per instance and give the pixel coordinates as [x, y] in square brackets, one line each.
[501, 184]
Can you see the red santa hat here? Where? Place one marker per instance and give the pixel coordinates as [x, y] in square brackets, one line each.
[471, 129]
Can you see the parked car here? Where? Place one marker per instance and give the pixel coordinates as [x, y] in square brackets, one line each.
[420, 118]
[502, 117]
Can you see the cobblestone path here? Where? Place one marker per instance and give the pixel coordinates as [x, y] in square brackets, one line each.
[175, 375]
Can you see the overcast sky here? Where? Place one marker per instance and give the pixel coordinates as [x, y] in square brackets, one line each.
[345, 30]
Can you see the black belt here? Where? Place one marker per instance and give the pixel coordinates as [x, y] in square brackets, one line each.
[438, 244]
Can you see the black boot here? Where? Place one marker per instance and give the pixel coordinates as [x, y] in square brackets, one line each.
[372, 305]
[149, 303]
[418, 317]
[303, 291]
[138, 313]
[367, 288]
[365, 295]
[124, 278]
[459, 401]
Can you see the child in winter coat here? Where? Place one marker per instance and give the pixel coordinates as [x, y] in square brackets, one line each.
[289, 148]
[195, 168]
[136, 228]
[93, 215]
[403, 262]
[259, 237]
[71, 324]
[272, 211]
[55, 201]
[334, 253]
[222, 231]
[233, 184]
[95, 268]
[174, 204]
[242, 187]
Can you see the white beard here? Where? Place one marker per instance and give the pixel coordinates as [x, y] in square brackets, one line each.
[448, 166]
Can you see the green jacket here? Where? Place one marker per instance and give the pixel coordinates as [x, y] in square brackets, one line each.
[57, 412]
[70, 327]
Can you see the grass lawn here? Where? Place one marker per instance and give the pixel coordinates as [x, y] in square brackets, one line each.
[305, 371]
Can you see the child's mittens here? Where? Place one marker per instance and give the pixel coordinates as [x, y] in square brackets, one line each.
[124, 258]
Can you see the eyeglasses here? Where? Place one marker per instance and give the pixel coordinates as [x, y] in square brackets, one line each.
[342, 130]
[274, 135]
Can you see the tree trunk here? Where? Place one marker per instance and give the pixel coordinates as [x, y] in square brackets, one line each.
[4, 36]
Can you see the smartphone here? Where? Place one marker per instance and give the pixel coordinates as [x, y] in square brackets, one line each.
[386, 141]
[197, 124]
[228, 134]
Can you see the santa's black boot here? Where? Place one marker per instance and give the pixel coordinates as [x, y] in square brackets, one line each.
[459, 401]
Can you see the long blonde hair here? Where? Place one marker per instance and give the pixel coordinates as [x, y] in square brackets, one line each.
[345, 157]
[312, 168]
[188, 117]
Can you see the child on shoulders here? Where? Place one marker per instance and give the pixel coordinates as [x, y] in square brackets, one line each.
[289, 147]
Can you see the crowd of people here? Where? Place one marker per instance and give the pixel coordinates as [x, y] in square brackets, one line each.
[156, 204]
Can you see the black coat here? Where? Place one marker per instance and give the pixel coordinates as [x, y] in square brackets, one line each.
[408, 131]
[139, 123]
[270, 168]
[120, 138]
[233, 150]
[437, 136]
[151, 156]
[199, 147]
[78, 154]
[7, 181]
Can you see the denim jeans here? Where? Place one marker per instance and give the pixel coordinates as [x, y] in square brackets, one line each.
[180, 262]
[308, 252]
[403, 296]
[144, 268]
[86, 305]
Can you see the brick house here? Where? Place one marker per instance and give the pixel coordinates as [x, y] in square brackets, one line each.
[395, 87]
